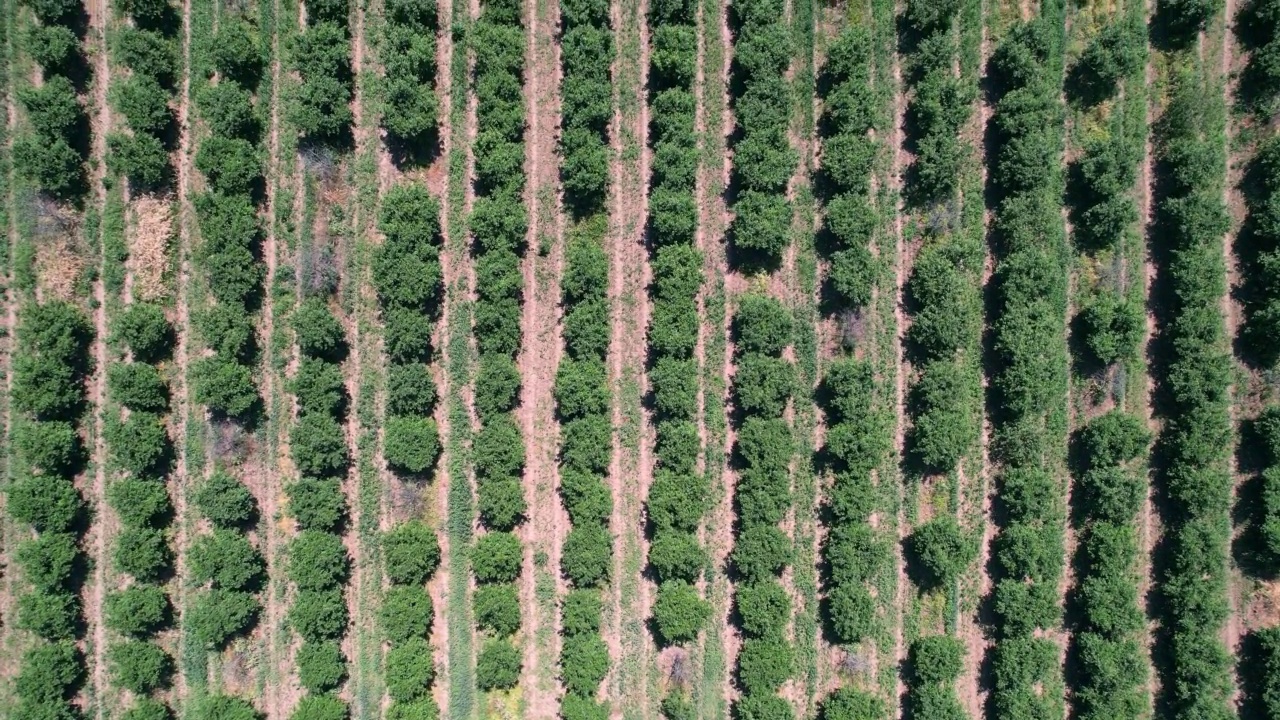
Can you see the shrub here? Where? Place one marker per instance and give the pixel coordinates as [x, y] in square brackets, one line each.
[679, 613]
[318, 332]
[581, 388]
[763, 707]
[317, 504]
[497, 385]
[941, 550]
[139, 666]
[501, 503]
[137, 611]
[49, 504]
[145, 708]
[763, 384]
[224, 386]
[587, 556]
[936, 659]
[762, 325]
[231, 166]
[576, 707]
[497, 608]
[138, 502]
[580, 612]
[852, 613]
[424, 709]
[139, 444]
[849, 703]
[411, 553]
[498, 448]
[677, 556]
[760, 552]
[321, 667]
[226, 559]
[142, 553]
[48, 672]
[215, 616]
[144, 330]
[764, 608]
[319, 614]
[407, 612]
[1113, 328]
[52, 616]
[498, 665]
[227, 108]
[675, 387]
[223, 707]
[317, 560]
[51, 447]
[587, 444]
[411, 444]
[763, 665]
[48, 560]
[586, 497]
[946, 419]
[496, 558]
[320, 707]
[677, 502]
[584, 661]
[412, 391]
[138, 386]
[318, 445]
[224, 501]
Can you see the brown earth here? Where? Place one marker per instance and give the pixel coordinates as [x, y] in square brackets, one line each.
[547, 524]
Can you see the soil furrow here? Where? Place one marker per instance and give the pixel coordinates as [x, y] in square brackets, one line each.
[542, 583]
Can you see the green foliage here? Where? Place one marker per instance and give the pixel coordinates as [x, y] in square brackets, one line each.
[140, 444]
[936, 659]
[586, 444]
[411, 444]
[764, 665]
[498, 665]
[49, 504]
[145, 708]
[763, 385]
[225, 558]
[584, 661]
[222, 707]
[52, 616]
[48, 448]
[142, 553]
[412, 391]
[580, 612]
[321, 667]
[581, 388]
[139, 666]
[497, 385]
[48, 672]
[946, 415]
[228, 110]
[138, 502]
[1113, 327]
[941, 550]
[496, 558]
[762, 325]
[680, 613]
[586, 497]
[224, 386]
[138, 386]
[761, 551]
[411, 553]
[406, 612]
[587, 557]
[143, 328]
[47, 560]
[318, 446]
[764, 608]
[137, 610]
[224, 500]
[851, 612]
[53, 47]
[501, 503]
[144, 104]
[317, 560]
[1114, 53]
[761, 224]
[497, 608]
[147, 52]
[319, 615]
[317, 504]
[318, 332]
[849, 703]
[319, 388]
[215, 616]
[322, 56]
[498, 449]
[677, 556]
[320, 707]
[677, 501]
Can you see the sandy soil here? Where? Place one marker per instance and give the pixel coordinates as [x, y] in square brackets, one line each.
[544, 530]
[104, 525]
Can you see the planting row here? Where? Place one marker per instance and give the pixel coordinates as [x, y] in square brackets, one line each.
[1030, 382]
[321, 55]
[678, 497]
[408, 55]
[943, 289]
[149, 48]
[1196, 372]
[499, 223]
[50, 364]
[763, 159]
[52, 156]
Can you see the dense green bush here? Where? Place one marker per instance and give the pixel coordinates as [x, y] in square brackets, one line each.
[497, 557]
[225, 558]
[584, 661]
[223, 707]
[320, 707]
[322, 56]
[410, 670]
[138, 386]
[497, 608]
[763, 608]
[223, 386]
[144, 330]
[941, 550]
[318, 445]
[411, 552]
[139, 666]
[411, 444]
[52, 616]
[317, 560]
[498, 665]
[406, 612]
[321, 667]
[142, 553]
[411, 389]
[224, 500]
[49, 672]
[139, 501]
[137, 610]
[48, 560]
[849, 703]
[587, 558]
[140, 444]
[215, 616]
[317, 504]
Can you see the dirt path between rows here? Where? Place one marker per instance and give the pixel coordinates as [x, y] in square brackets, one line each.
[9, 536]
[544, 530]
[180, 401]
[103, 526]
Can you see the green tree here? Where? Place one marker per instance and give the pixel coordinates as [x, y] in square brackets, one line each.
[318, 445]
[225, 558]
[317, 560]
[138, 386]
[48, 672]
[498, 665]
[48, 560]
[410, 670]
[321, 667]
[52, 616]
[140, 444]
[587, 556]
[317, 504]
[407, 612]
[496, 558]
[223, 707]
[584, 661]
[51, 447]
[412, 391]
[764, 608]
[137, 611]
[224, 500]
[143, 328]
[679, 613]
[411, 444]
[319, 615]
[411, 553]
[139, 666]
[224, 386]
[143, 553]
[497, 608]
[49, 504]
[941, 550]
[215, 616]
[318, 332]
[763, 665]
[320, 707]
[849, 703]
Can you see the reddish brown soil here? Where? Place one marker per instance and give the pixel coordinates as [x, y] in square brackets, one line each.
[544, 530]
